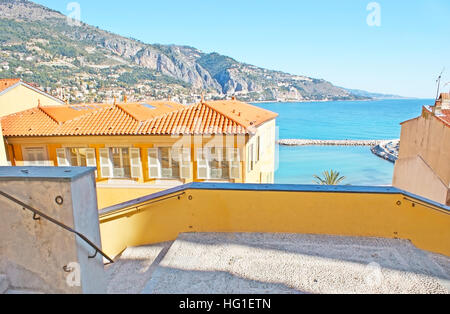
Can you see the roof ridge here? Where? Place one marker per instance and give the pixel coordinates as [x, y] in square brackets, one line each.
[54, 119]
[126, 112]
[224, 115]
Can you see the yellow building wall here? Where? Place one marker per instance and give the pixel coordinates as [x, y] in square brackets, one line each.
[264, 168]
[112, 196]
[342, 214]
[23, 98]
[19, 99]
[109, 194]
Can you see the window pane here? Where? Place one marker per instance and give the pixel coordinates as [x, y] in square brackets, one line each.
[219, 170]
[170, 164]
[165, 157]
[126, 162]
[35, 156]
[82, 157]
[121, 162]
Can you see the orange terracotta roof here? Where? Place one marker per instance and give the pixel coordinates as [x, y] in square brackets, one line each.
[244, 114]
[63, 114]
[7, 83]
[149, 118]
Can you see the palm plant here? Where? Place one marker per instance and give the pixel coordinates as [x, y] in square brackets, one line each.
[329, 178]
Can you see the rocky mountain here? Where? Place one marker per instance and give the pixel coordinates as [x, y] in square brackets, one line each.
[84, 63]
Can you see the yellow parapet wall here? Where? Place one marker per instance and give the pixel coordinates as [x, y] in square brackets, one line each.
[108, 196]
[342, 211]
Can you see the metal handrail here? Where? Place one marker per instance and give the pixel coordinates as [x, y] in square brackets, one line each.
[139, 205]
[37, 214]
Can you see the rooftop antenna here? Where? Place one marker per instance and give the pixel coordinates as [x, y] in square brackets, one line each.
[438, 81]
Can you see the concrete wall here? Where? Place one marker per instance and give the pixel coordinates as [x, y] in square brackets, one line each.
[350, 211]
[33, 253]
[420, 179]
[429, 138]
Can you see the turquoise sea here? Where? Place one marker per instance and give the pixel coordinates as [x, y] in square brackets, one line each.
[341, 120]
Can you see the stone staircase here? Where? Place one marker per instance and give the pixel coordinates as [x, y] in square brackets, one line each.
[278, 263]
[134, 268]
[273, 263]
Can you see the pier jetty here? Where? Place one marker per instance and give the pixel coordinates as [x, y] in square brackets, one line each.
[303, 142]
[386, 149]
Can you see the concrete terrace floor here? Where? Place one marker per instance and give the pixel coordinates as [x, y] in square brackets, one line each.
[278, 263]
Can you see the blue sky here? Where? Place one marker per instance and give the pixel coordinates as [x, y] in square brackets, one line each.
[327, 39]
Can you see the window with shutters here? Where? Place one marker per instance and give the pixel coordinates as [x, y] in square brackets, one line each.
[218, 163]
[120, 163]
[169, 163]
[76, 157]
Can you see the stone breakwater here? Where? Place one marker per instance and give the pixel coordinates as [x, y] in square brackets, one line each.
[300, 142]
[386, 149]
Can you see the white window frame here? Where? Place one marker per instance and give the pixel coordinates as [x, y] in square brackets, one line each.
[135, 163]
[105, 163]
[203, 163]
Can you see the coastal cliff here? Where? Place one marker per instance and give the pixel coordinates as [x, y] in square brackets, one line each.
[84, 63]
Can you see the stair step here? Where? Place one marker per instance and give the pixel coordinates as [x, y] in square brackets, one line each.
[4, 284]
[130, 273]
